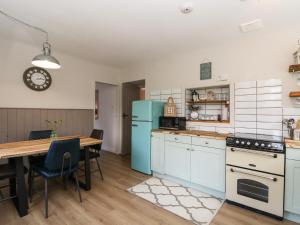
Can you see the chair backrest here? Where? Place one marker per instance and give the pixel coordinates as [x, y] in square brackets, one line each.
[56, 157]
[97, 134]
[39, 134]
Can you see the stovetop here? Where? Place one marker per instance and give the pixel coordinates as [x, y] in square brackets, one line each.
[259, 142]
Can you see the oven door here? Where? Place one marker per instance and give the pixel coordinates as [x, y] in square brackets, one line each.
[255, 189]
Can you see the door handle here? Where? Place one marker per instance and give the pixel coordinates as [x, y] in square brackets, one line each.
[253, 152]
[252, 165]
[251, 174]
[134, 125]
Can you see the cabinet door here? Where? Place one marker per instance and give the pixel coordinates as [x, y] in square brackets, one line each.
[177, 160]
[157, 152]
[208, 167]
[292, 186]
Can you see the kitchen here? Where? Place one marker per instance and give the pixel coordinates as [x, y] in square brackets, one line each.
[215, 140]
[252, 164]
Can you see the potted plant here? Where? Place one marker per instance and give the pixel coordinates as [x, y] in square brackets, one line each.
[53, 125]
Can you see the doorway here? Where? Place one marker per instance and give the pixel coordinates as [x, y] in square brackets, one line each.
[131, 91]
[107, 115]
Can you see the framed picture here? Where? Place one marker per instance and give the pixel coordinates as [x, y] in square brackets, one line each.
[96, 104]
[205, 71]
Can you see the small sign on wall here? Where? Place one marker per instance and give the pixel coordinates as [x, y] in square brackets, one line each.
[205, 71]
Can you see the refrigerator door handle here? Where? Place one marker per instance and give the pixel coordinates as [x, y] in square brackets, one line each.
[134, 125]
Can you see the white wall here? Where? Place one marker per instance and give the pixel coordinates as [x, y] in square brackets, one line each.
[255, 56]
[72, 86]
[109, 119]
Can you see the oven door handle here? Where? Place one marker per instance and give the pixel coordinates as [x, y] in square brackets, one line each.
[242, 172]
[254, 152]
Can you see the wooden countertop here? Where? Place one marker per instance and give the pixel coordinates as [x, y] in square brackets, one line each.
[292, 144]
[196, 133]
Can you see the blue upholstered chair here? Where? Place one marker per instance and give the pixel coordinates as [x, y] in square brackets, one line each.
[36, 135]
[95, 149]
[39, 134]
[62, 160]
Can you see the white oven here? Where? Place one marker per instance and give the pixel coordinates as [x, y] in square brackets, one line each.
[255, 179]
[255, 189]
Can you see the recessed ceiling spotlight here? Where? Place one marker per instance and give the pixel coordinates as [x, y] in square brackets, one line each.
[187, 7]
[252, 25]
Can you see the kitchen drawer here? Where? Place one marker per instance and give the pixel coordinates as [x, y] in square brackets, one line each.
[209, 142]
[178, 138]
[293, 154]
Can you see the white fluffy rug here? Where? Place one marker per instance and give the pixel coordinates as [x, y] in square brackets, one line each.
[192, 205]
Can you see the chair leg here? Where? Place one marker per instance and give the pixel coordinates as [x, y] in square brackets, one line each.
[77, 186]
[99, 168]
[29, 176]
[31, 181]
[46, 198]
[65, 180]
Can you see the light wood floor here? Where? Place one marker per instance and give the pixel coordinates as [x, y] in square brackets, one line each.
[109, 203]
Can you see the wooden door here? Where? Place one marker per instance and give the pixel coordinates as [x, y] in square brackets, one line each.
[130, 93]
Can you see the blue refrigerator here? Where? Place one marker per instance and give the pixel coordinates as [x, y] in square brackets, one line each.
[145, 117]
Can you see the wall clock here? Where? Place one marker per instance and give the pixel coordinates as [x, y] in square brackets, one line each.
[37, 79]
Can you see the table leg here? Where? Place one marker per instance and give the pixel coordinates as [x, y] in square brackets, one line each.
[18, 187]
[87, 170]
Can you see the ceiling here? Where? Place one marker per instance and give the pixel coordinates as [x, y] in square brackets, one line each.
[122, 32]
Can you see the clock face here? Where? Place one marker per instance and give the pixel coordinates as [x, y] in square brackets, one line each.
[37, 79]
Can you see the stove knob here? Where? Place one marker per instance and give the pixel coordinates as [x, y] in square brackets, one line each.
[242, 142]
[262, 145]
[248, 143]
[256, 144]
[269, 145]
[275, 146]
[237, 142]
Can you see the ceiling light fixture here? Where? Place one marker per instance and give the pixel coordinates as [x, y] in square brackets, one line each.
[44, 60]
[187, 7]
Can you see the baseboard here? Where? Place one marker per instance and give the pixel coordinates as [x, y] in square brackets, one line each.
[206, 190]
[292, 217]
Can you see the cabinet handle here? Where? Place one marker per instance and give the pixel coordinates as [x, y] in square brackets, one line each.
[134, 116]
[188, 149]
[192, 149]
[134, 125]
[176, 139]
[206, 142]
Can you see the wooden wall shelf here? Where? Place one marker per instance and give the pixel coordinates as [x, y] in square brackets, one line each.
[210, 121]
[209, 102]
[294, 68]
[295, 94]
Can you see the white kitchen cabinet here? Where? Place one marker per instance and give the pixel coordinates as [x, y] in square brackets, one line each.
[157, 152]
[292, 181]
[177, 160]
[208, 167]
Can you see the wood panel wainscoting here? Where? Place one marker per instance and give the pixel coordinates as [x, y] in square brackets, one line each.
[16, 123]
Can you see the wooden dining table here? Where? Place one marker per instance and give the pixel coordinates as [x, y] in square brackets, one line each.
[16, 151]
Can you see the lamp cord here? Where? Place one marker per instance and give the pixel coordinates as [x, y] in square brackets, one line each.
[14, 19]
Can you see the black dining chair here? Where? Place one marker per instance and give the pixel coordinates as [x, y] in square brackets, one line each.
[95, 149]
[37, 135]
[62, 160]
[8, 171]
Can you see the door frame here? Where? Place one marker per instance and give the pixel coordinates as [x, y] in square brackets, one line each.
[136, 84]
